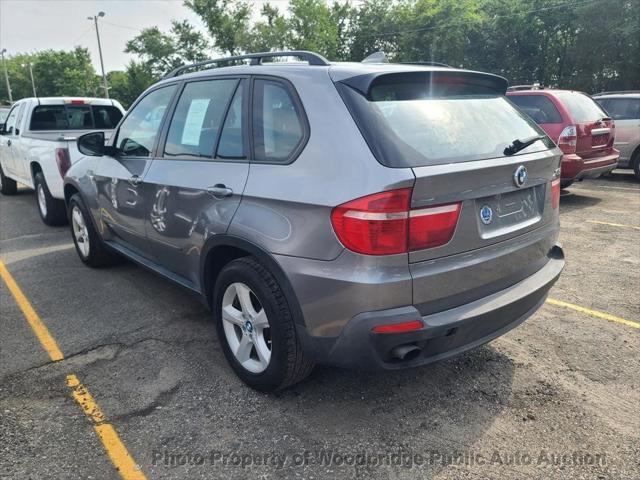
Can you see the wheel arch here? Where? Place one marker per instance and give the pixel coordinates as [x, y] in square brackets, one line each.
[34, 168]
[219, 250]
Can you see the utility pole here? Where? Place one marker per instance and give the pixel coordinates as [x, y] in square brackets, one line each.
[6, 75]
[104, 77]
[33, 83]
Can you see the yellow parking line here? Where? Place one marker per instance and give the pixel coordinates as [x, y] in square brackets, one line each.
[622, 225]
[39, 328]
[594, 313]
[120, 457]
[124, 463]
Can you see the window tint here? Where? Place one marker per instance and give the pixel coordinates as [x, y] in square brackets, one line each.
[198, 118]
[140, 129]
[621, 108]
[232, 137]
[277, 128]
[581, 107]
[106, 117]
[49, 117]
[74, 117]
[4, 113]
[538, 107]
[411, 124]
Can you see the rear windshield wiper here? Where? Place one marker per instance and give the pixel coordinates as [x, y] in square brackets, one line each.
[520, 144]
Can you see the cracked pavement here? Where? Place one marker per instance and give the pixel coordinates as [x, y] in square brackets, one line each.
[563, 383]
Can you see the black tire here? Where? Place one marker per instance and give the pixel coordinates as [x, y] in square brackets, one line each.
[52, 211]
[288, 363]
[635, 162]
[565, 184]
[8, 186]
[99, 255]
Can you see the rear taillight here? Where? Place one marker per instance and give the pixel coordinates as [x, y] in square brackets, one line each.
[385, 224]
[568, 139]
[63, 160]
[555, 193]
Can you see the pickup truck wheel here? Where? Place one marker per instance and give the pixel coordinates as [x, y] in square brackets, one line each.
[8, 186]
[89, 245]
[52, 211]
[256, 328]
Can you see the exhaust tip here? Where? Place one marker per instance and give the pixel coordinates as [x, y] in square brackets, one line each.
[406, 352]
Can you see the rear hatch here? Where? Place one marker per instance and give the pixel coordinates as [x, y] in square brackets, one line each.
[595, 129]
[454, 129]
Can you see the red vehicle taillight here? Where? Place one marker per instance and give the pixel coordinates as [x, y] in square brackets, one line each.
[568, 139]
[385, 224]
[555, 193]
[63, 160]
[399, 327]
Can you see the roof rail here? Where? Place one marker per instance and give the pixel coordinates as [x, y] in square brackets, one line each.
[515, 88]
[617, 92]
[381, 57]
[256, 59]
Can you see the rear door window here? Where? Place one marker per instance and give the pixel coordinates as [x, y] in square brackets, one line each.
[198, 117]
[411, 124]
[232, 144]
[581, 107]
[278, 127]
[622, 108]
[538, 107]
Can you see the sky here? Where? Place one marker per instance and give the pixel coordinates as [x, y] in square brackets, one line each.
[32, 25]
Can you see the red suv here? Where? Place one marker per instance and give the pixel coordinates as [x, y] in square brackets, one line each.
[582, 130]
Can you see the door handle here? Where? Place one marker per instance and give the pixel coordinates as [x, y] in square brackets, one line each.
[135, 180]
[220, 191]
[8, 142]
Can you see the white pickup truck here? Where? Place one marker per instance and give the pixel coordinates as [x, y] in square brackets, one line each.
[38, 145]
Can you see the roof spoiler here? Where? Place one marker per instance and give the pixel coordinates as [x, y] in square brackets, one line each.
[364, 83]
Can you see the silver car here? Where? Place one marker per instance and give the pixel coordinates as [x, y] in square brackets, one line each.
[366, 215]
[624, 108]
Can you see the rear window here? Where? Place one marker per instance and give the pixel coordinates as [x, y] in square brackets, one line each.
[411, 124]
[75, 117]
[581, 107]
[538, 107]
[621, 108]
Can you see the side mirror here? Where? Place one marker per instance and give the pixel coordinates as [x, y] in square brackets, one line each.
[92, 144]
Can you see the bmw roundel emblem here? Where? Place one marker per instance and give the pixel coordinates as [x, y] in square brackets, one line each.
[486, 214]
[520, 177]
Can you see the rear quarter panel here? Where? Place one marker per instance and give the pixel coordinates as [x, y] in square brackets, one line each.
[286, 208]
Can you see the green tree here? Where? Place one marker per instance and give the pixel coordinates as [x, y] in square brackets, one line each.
[162, 52]
[228, 22]
[56, 73]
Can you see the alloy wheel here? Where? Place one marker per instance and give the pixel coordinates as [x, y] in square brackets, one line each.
[80, 232]
[42, 200]
[246, 327]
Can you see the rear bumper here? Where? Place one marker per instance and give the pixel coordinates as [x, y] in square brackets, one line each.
[575, 167]
[444, 334]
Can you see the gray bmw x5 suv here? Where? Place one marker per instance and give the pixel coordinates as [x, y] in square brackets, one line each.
[366, 215]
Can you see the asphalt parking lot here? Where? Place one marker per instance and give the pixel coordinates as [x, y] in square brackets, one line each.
[143, 382]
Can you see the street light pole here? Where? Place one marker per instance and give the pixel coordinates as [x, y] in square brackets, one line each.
[6, 75]
[33, 83]
[104, 77]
